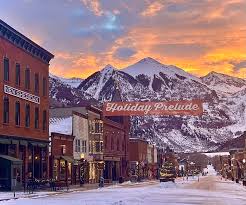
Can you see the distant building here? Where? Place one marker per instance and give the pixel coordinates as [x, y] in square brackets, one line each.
[138, 157]
[116, 132]
[116, 137]
[61, 158]
[24, 107]
[86, 125]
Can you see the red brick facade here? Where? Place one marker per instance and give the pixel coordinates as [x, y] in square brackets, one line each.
[116, 139]
[138, 150]
[61, 158]
[16, 55]
[19, 137]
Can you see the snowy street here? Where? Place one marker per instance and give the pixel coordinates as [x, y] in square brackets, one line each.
[208, 190]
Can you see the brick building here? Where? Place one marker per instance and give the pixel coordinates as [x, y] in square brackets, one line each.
[61, 158]
[86, 125]
[24, 105]
[115, 155]
[138, 158]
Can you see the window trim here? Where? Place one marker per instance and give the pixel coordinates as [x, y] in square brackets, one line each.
[36, 89]
[36, 108]
[5, 117]
[44, 121]
[44, 86]
[8, 76]
[19, 78]
[19, 119]
[27, 83]
[27, 125]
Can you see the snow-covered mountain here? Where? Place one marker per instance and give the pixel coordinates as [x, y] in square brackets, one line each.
[149, 80]
[101, 85]
[224, 83]
[62, 94]
[72, 82]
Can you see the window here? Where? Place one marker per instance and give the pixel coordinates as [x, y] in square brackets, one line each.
[17, 74]
[36, 118]
[63, 149]
[27, 78]
[96, 127]
[44, 86]
[101, 146]
[118, 145]
[27, 118]
[123, 145]
[77, 145]
[36, 84]
[83, 147]
[17, 113]
[91, 147]
[105, 142]
[6, 110]
[6, 69]
[98, 148]
[44, 120]
[112, 143]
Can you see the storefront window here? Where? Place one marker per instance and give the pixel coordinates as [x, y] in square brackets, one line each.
[69, 171]
[55, 169]
[12, 150]
[62, 170]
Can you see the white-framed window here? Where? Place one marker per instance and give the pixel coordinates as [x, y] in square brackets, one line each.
[77, 145]
[83, 146]
[96, 126]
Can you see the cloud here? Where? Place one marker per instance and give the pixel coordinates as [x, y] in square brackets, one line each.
[94, 6]
[183, 50]
[153, 9]
[199, 36]
[124, 53]
[239, 65]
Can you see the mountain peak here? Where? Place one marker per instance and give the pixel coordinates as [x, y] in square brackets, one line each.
[223, 82]
[108, 68]
[149, 60]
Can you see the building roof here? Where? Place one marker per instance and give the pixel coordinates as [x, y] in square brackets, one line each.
[61, 125]
[24, 43]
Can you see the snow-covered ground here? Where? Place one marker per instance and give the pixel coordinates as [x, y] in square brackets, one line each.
[208, 190]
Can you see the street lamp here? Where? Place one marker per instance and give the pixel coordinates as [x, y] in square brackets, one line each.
[244, 172]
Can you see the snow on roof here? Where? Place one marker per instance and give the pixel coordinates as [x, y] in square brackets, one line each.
[61, 125]
[213, 154]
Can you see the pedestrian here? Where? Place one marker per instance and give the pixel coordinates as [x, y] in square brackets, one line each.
[101, 182]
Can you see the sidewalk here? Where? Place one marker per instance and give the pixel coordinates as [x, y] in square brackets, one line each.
[5, 196]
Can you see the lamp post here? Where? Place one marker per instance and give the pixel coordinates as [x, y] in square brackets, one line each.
[137, 169]
[244, 172]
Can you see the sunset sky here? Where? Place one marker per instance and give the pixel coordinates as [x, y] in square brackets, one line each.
[85, 35]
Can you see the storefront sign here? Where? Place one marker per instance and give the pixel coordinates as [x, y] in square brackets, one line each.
[182, 107]
[21, 94]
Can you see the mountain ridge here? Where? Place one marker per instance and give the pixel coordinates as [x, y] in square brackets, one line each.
[218, 124]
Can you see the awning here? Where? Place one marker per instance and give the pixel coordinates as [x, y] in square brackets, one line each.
[12, 159]
[15, 141]
[5, 141]
[40, 144]
[23, 142]
[68, 159]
